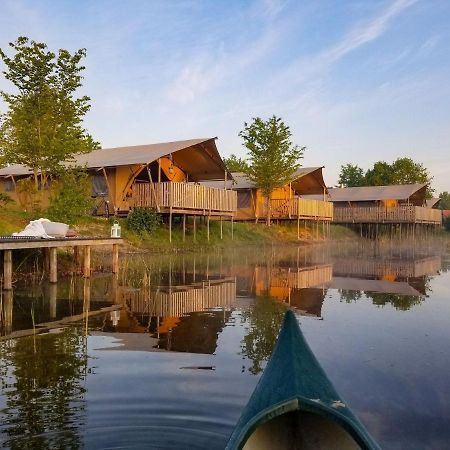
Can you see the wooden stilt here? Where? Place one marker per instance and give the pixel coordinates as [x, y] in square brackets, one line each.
[221, 227]
[170, 225]
[298, 228]
[195, 228]
[7, 269]
[184, 227]
[53, 274]
[115, 258]
[207, 227]
[52, 293]
[87, 261]
[232, 228]
[7, 312]
[76, 255]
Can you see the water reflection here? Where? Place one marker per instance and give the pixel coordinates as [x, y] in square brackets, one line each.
[217, 311]
[43, 389]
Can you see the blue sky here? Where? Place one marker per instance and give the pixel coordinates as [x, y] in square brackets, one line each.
[357, 81]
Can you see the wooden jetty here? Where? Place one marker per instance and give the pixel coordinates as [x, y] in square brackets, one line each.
[50, 246]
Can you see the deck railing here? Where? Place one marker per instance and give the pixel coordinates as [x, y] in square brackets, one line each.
[184, 196]
[302, 208]
[305, 277]
[393, 214]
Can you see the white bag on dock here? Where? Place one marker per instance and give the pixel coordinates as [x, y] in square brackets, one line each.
[44, 228]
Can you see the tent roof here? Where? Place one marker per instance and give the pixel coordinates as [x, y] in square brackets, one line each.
[305, 179]
[373, 193]
[432, 202]
[380, 286]
[198, 157]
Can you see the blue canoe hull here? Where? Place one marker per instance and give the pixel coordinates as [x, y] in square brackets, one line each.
[295, 405]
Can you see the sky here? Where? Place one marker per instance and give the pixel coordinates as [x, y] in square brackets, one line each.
[357, 81]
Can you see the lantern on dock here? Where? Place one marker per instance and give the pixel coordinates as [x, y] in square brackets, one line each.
[115, 230]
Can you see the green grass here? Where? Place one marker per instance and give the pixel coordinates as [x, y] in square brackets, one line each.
[243, 234]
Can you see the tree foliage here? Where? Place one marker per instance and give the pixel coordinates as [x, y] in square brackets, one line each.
[273, 158]
[236, 164]
[43, 125]
[445, 200]
[351, 175]
[70, 196]
[382, 173]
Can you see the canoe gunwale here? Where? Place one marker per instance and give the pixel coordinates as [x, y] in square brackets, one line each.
[300, 404]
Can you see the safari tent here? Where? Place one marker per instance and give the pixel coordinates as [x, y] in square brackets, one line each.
[287, 202]
[163, 176]
[383, 204]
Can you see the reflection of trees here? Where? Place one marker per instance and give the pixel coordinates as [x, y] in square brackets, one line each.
[400, 302]
[349, 296]
[42, 380]
[264, 318]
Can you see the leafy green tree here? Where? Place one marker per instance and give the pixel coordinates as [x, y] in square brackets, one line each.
[445, 200]
[351, 175]
[236, 164]
[379, 175]
[43, 125]
[272, 156]
[407, 171]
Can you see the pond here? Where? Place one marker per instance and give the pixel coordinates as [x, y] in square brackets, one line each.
[166, 355]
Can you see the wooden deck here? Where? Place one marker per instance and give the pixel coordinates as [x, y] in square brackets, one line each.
[8, 244]
[181, 300]
[301, 278]
[300, 208]
[397, 214]
[185, 198]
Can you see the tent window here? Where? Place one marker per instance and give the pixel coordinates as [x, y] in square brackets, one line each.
[244, 199]
[8, 185]
[99, 185]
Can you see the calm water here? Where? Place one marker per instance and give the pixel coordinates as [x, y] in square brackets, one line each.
[167, 355]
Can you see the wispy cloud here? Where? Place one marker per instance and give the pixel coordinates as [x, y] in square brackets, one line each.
[360, 35]
[206, 71]
[366, 32]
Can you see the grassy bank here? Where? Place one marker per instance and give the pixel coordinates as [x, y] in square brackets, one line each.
[243, 233]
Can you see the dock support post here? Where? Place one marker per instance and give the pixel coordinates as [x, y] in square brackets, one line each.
[184, 227]
[53, 274]
[115, 258]
[170, 225]
[298, 228]
[232, 228]
[221, 227]
[195, 228]
[7, 269]
[52, 293]
[207, 227]
[87, 261]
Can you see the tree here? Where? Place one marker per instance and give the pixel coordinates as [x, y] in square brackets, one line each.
[445, 200]
[401, 171]
[379, 175]
[43, 125]
[272, 156]
[351, 175]
[236, 164]
[407, 171]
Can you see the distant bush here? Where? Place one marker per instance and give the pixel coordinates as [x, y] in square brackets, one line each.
[143, 220]
[70, 197]
[5, 199]
[29, 196]
[447, 223]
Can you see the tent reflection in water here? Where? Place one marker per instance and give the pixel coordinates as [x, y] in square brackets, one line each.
[295, 406]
